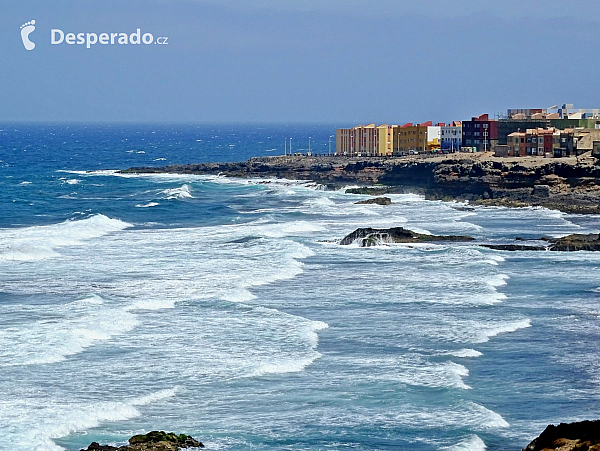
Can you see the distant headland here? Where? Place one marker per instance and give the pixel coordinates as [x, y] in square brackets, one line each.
[570, 184]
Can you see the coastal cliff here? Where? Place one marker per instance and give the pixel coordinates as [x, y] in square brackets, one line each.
[565, 184]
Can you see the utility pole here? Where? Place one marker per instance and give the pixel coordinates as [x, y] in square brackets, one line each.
[291, 147]
[330, 136]
[285, 146]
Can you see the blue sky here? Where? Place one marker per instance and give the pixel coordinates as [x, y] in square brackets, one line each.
[336, 61]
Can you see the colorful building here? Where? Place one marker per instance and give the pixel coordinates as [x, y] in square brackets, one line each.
[480, 133]
[451, 137]
[365, 140]
[547, 142]
[409, 138]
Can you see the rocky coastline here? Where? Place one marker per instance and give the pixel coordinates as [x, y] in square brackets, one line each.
[565, 184]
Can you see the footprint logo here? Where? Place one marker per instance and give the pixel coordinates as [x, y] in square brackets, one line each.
[26, 30]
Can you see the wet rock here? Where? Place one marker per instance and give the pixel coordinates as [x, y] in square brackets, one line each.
[576, 242]
[376, 200]
[513, 247]
[370, 190]
[152, 441]
[371, 237]
[582, 436]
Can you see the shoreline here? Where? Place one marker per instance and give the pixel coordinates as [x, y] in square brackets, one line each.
[565, 184]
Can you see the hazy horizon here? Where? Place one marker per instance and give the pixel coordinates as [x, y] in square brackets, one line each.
[336, 62]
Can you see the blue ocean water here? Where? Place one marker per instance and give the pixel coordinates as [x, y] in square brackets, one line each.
[224, 308]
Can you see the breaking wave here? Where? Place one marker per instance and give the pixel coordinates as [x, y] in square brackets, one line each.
[182, 192]
[39, 242]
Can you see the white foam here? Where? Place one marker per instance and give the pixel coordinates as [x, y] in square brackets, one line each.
[182, 192]
[306, 330]
[152, 304]
[279, 230]
[25, 183]
[488, 332]
[39, 242]
[497, 280]
[148, 205]
[82, 323]
[286, 366]
[54, 420]
[471, 443]
[465, 353]
[72, 181]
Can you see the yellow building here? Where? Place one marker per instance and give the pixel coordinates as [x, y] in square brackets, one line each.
[365, 140]
[409, 137]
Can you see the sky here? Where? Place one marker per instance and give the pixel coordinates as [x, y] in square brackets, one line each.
[280, 61]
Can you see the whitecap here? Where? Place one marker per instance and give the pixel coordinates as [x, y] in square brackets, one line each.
[39, 242]
[83, 322]
[182, 192]
[488, 332]
[149, 204]
[471, 443]
[465, 353]
[55, 420]
[497, 280]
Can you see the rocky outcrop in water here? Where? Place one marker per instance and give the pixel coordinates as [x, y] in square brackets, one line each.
[152, 441]
[514, 247]
[569, 243]
[576, 242]
[376, 200]
[366, 237]
[563, 184]
[580, 436]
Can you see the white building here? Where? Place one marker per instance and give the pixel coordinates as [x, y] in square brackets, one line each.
[434, 133]
[451, 137]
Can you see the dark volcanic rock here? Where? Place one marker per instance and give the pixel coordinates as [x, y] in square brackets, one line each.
[513, 247]
[371, 237]
[583, 436]
[371, 190]
[576, 242]
[376, 200]
[152, 441]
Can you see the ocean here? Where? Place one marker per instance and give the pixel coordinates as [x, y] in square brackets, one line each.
[225, 309]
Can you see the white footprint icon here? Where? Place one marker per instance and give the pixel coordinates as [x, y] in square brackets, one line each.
[26, 29]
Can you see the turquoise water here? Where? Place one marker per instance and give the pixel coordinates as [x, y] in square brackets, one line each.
[225, 309]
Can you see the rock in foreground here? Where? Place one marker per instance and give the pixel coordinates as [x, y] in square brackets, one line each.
[152, 441]
[581, 436]
[376, 200]
[371, 237]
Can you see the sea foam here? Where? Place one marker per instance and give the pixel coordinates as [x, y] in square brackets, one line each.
[39, 242]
